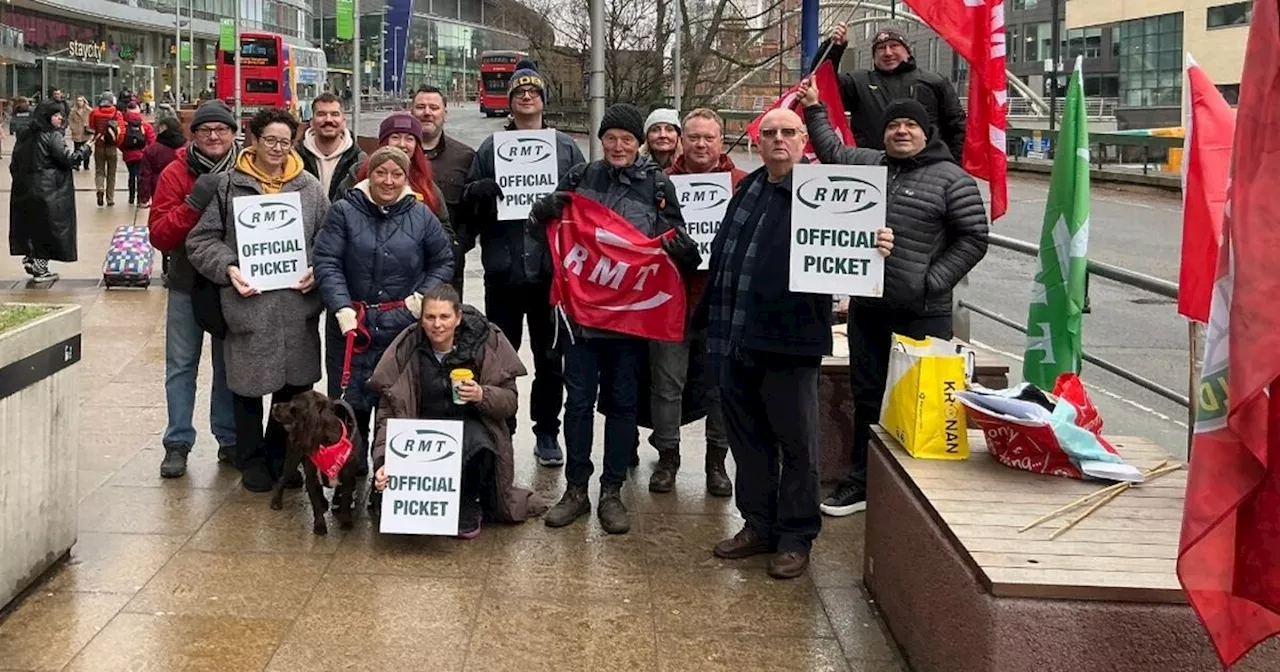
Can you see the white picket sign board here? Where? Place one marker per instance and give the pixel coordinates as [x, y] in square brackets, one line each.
[835, 214]
[271, 241]
[704, 199]
[526, 167]
[424, 472]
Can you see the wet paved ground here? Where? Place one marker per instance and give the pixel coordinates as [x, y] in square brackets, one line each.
[197, 574]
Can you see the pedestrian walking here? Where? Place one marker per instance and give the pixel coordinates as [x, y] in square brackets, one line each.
[107, 123]
[42, 203]
[940, 226]
[158, 155]
[273, 338]
[78, 125]
[137, 136]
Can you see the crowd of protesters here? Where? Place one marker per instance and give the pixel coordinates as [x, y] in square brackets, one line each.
[386, 237]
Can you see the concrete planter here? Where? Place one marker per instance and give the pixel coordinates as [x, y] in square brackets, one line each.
[39, 438]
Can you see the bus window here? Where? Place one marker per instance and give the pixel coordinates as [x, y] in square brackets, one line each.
[261, 86]
[496, 82]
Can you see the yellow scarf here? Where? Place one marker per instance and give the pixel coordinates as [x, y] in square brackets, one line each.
[270, 185]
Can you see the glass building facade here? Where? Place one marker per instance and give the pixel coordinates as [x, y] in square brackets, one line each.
[1150, 51]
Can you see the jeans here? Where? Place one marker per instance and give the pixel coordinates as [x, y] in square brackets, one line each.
[183, 342]
[135, 169]
[609, 366]
[255, 448]
[508, 306]
[871, 333]
[669, 370]
[104, 171]
[771, 413]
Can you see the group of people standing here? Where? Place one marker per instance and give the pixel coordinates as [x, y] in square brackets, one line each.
[386, 236]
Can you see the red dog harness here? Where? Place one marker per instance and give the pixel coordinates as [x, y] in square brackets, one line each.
[359, 339]
[330, 459]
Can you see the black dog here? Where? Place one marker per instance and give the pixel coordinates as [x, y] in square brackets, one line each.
[314, 421]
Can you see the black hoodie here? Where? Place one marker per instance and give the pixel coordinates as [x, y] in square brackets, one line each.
[935, 210]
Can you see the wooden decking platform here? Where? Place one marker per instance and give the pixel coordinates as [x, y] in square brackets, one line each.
[962, 591]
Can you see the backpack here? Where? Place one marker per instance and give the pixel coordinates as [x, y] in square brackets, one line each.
[110, 132]
[134, 137]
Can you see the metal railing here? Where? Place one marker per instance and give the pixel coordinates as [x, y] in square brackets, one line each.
[1123, 276]
[1105, 148]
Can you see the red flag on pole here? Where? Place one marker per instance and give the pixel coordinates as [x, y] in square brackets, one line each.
[1206, 162]
[975, 30]
[1229, 554]
[828, 94]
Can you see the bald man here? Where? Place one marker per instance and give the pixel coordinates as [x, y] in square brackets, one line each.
[765, 345]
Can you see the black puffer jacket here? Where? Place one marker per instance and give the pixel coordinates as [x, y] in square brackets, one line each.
[936, 213]
[42, 208]
[373, 255]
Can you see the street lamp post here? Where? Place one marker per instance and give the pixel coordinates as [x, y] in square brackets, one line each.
[397, 73]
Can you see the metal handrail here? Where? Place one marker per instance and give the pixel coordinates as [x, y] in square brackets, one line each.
[1117, 274]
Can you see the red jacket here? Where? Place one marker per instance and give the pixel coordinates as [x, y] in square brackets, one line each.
[697, 281]
[98, 120]
[133, 155]
[171, 218]
[155, 158]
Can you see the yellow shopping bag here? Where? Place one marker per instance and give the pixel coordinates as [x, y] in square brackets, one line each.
[920, 408]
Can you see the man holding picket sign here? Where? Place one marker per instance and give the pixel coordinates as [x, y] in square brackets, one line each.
[940, 224]
[765, 344]
[619, 241]
[530, 159]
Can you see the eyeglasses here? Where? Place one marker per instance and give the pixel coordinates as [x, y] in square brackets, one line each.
[772, 133]
[525, 92]
[208, 132]
[276, 143]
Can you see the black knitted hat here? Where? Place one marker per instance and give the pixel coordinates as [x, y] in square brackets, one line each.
[908, 108]
[625, 117]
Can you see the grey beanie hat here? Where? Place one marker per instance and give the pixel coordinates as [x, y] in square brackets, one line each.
[213, 111]
[389, 153]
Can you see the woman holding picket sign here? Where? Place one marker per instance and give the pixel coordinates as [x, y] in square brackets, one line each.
[379, 251]
[273, 337]
[599, 362]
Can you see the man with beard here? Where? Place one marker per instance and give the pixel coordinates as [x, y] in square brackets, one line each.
[517, 266]
[866, 94]
[185, 187]
[451, 160]
[327, 149]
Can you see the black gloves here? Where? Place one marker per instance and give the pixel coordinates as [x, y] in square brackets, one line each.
[486, 189]
[203, 190]
[683, 250]
[548, 207]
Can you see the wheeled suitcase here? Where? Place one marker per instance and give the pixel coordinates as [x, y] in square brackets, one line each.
[129, 258]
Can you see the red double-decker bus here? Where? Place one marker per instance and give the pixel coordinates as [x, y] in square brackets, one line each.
[273, 73]
[495, 73]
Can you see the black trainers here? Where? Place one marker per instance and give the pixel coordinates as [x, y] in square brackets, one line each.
[547, 450]
[257, 478]
[611, 512]
[572, 506]
[174, 464]
[849, 498]
[226, 454]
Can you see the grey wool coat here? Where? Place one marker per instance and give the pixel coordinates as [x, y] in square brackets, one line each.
[273, 338]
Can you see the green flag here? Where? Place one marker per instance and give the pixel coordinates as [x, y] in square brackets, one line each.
[346, 19]
[1054, 327]
[185, 50]
[227, 35]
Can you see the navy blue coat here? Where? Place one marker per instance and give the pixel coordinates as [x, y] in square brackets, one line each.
[374, 255]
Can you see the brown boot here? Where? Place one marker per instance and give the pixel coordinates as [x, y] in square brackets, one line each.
[788, 564]
[718, 482]
[744, 544]
[664, 475]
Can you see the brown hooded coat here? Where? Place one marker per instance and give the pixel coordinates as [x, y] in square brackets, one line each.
[396, 380]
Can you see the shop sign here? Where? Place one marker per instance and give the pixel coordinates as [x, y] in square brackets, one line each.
[87, 50]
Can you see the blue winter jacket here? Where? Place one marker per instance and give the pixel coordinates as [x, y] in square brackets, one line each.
[374, 255]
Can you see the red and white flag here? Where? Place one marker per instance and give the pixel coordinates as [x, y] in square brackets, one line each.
[1206, 163]
[1229, 554]
[828, 94]
[607, 275]
[975, 30]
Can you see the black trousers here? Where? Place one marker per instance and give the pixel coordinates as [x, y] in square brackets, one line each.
[871, 333]
[508, 306]
[135, 171]
[459, 269]
[771, 417]
[255, 448]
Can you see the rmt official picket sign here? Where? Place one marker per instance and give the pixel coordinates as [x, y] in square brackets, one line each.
[704, 198]
[835, 213]
[525, 166]
[270, 240]
[424, 477]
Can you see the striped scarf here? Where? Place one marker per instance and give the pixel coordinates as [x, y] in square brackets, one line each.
[199, 164]
[729, 293]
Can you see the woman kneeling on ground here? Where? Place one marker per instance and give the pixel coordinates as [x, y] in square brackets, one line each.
[413, 381]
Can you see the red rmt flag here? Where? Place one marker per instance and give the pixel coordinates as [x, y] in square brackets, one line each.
[828, 94]
[975, 29]
[1205, 166]
[1229, 555]
[609, 276]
